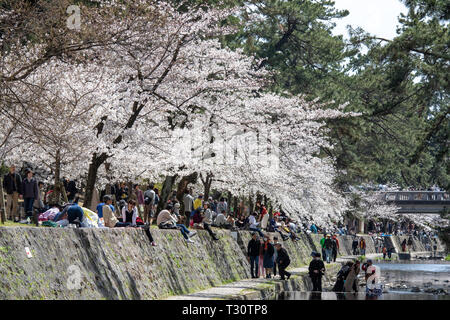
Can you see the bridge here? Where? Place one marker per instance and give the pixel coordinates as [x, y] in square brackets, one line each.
[425, 202]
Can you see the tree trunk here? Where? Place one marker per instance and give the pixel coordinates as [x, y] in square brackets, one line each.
[95, 164]
[230, 198]
[235, 205]
[207, 185]
[250, 204]
[184, 182]
[166, 190]
[57, 188]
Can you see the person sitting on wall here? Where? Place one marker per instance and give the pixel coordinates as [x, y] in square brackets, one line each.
[107, 212]
[167, 220]
[254, 224]
[197, 218]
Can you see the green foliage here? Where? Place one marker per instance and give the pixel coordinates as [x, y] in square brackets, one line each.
[399, 86]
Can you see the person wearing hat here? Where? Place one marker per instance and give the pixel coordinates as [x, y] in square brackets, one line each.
[328, 246]
[370, 270]
[316, 271]
[283, 261]
[253, 254]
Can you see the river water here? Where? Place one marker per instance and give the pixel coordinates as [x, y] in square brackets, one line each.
[411, 280]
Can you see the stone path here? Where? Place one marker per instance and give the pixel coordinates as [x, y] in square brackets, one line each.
[234, 288]
[237, 288]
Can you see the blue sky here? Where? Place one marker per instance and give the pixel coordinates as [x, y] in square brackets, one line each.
[378, 17]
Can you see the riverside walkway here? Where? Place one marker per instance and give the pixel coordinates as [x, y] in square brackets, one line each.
[251, 289]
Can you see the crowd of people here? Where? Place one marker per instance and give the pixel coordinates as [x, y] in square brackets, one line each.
[266, 254]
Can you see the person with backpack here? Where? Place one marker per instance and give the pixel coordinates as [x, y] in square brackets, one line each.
[149, 202]
[316, 271]
[328, 245]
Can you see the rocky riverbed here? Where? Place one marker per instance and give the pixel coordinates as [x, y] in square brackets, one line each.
[428, 277]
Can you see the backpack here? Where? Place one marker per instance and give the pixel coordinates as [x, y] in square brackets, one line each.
[328, 243]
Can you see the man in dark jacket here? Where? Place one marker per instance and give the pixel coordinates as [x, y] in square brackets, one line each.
[71, 190]
[253, 254]
[355, 245]
[328, 245]
[283, 261]
[30, 192]
[12, 183]
[316, 271]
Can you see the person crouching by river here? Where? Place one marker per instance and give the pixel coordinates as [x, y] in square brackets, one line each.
[283, 261]
[316, 271]
[351, 282]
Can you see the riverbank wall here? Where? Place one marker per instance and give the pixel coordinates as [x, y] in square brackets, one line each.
[121, 263]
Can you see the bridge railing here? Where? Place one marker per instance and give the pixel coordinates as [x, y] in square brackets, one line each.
[417, 196]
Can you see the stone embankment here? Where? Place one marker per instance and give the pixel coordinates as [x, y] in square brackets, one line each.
[121, 264]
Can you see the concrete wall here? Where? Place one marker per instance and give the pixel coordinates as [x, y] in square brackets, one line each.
[114, 263]
[121, 264]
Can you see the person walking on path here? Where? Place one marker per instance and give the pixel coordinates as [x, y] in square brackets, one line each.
[362, 246]
[404, 245]
[253, 254]
[328, 244]
[355, 245]
[351, 282]
[335, 248]
[268, 257]
[410, 244]
[322, 244]
[275, 255]
[30, 192]
[261, 270]
[283, 261]
[316, 271]
[12, 183]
